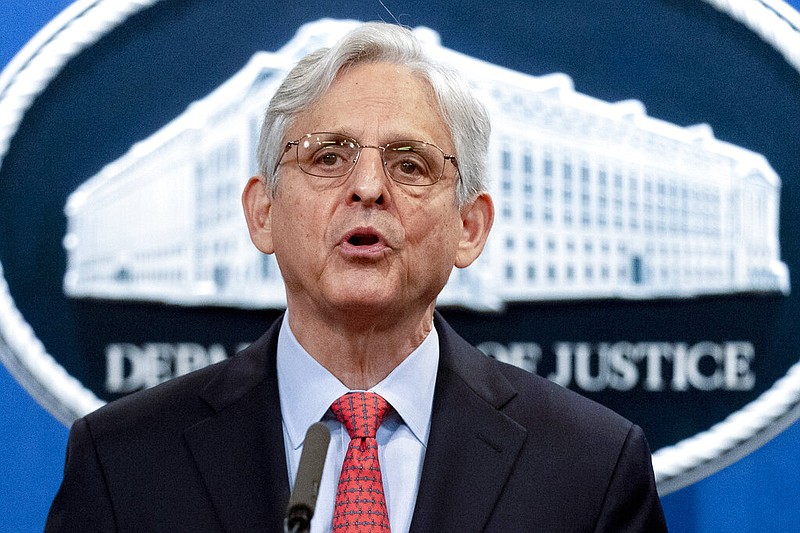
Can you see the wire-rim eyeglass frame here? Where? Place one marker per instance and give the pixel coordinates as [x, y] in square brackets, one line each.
[333, 155]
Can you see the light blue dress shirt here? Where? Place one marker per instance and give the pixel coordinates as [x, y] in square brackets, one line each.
[307, 391]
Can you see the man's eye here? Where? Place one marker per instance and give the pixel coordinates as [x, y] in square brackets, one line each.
[409, 167]
[328, 159]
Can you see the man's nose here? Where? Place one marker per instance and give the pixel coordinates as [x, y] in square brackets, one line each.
[368, 179]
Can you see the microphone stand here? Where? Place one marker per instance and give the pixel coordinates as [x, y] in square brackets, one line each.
[306, 486]
[298, 520]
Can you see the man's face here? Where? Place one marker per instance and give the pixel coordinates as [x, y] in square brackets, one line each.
[362, 244]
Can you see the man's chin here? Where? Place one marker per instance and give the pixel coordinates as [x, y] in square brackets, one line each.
[371, 305]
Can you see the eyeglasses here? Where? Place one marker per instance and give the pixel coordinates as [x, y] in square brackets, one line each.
[331, 155]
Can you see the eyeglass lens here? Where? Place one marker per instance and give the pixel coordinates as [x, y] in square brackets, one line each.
[409, 162]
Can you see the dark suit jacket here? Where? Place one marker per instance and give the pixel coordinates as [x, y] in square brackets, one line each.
[508, 451]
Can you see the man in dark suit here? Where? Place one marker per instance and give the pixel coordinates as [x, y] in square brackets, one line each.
[371, 189]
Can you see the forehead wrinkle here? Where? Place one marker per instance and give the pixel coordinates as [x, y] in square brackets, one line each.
[383, 133]
[390, 121]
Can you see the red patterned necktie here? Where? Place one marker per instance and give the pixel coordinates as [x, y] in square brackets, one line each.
[360, 503]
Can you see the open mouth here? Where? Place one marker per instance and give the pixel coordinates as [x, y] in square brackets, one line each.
[363, 240]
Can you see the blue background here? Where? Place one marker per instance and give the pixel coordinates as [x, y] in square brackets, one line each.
[759, 493]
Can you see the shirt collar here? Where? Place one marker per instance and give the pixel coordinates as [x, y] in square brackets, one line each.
[408, 388]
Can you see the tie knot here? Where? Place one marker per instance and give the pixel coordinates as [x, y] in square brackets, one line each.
[361, 413]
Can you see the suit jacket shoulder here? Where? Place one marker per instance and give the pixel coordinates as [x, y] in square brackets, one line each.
[202, 452]
[510, 448]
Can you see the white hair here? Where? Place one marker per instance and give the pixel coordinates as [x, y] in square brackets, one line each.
[375, 42]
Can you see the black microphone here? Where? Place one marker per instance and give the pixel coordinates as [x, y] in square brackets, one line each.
[306, 484]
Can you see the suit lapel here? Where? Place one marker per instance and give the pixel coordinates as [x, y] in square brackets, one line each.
[472, 445]
[239, 450]
[240, 456]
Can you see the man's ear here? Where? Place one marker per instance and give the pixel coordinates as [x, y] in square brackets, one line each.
[257, 204]
[476, 221]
